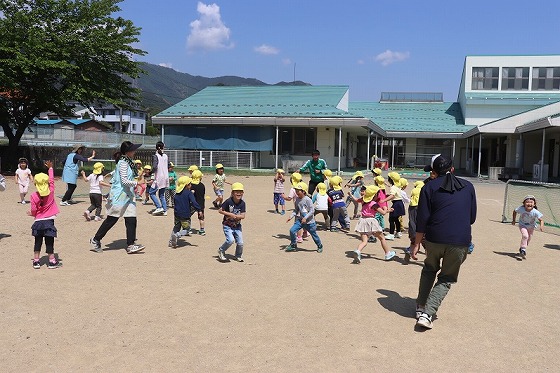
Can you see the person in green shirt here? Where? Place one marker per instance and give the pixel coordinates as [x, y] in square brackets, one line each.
[315, 167]
[170, 192]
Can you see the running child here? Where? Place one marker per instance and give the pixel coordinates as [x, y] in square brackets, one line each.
[199, 190]
[412, 213]
[184, 201]
[380, 182]
[292, 196]
[279, 191]
[368, 225]
[23, 178]
[218, 184]
[140, 188]
[355, 187]
[170, 191]
[321, 203]
[44, 209]
[95, 180]
[233, 209]
[192, 168]
[336, 198]
[304, 218]
[403, 183]
[148, 181]
[397, 209]
[528, 217]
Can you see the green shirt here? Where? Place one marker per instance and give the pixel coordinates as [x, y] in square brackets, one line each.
[172, 180]
[311, 166]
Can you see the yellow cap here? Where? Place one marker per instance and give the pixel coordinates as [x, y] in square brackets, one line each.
[418, 184]
[219, 165]
[394, 176]
[380, 181]
[182, 183]
[377, 171]
[170, 164]
[358, 174]
[147, 167]
[98, 168]
[280, 171]
[237, 186]
[322, 188]
[193, 167]
[196, 176]
[335, 182]
[137, 161]
[403, 182]
[327, 172]
[301, 186]
[295, 178]
[371, 191]
[41, 181]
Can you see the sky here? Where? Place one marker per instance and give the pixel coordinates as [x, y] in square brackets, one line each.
[372, 46]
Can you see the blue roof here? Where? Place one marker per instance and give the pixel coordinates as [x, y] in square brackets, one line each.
[48, 121]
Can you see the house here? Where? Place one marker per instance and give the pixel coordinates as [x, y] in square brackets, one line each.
[125, 120]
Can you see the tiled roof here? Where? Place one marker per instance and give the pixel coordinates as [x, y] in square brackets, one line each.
[436, 117]
[263, 101]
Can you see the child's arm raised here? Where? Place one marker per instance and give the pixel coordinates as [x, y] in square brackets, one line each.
[83, 173]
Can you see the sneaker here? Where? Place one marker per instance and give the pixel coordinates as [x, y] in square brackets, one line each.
[239, 259]
[97, 218]
[334, 229]
[419, 311]
[202, 232]
[164, 213]
[215, 204]
[277, 211]
[95, 245]
[157, 211]
[291, 247]
[134, 248]
[407, 255]
[320, 249]
[357, 257]
[425, 321]
[390, 237]
[471, 248]
[145, 202]
[372, 239]
[36, 264]
[221, 256]
[54, 265]
[64, 203]
[390, 255]
[86, 215]
[523, 253]
[173, 241]
[299, 239]
[398, 235]
[23, 202]
[283, 212]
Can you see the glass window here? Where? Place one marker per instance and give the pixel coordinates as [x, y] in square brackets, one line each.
[546, 79]
[515, 78]
[485, 78]
[297, 140]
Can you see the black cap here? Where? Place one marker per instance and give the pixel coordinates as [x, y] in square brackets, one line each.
[127, 146]
[439, 163]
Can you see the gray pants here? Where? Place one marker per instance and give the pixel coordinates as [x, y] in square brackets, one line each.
[445, 259]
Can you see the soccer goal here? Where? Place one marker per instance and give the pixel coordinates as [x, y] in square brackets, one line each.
[546, 194]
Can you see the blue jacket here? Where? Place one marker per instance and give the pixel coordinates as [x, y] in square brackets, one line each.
[446, 217]
[183, 202]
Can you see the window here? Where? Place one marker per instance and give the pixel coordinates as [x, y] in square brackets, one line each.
[297, 141]
[546, 79]
[515, 78]
[134, 127]
[485, 78]
[111, 112]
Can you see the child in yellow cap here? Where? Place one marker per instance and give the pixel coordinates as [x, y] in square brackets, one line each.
[95, 180]
[44, 210]
[292, 196]
[355, 184]
[218, 184]
[279, 191]
[412, 213]
[321, 202]
[184, 201]
[303, 216]
[170, 192]
[336, 199]
[233, 209]
[199, 190]
[147, 184]
[140, 187]
[397, 208]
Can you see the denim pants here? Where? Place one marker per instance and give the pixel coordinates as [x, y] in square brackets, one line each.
[233, 235]
[311, 228]
[445, 259]
[158, 202]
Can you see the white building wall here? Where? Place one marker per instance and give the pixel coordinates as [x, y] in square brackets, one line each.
[479, 114]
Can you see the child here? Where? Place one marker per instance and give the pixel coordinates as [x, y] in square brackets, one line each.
[192, 169]
[233, 210]
[292, 196]
[170, 192]
[397, 209]
[321, 203]
[368, 225]
[218, 183]
[140, 188]
[304, 218]
[356, 185]
[380, 182]
[44, 209]
[528, 216]
[327, 174]
[148, 181]
[183, 201]
[403, 183]
[23, 178]
[279, 191]
[376, 172]
[336, 198]
[95, 180]
[412, 212]
[199, 190]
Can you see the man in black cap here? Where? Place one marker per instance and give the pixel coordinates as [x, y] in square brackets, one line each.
[446, 211]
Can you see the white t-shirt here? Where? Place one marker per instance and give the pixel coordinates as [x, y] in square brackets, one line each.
[23, 176]
[94, 187]
[528, 219]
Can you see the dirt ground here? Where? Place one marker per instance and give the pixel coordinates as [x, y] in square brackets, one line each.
[182, 310]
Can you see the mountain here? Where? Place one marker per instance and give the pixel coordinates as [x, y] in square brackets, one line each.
[163, 87]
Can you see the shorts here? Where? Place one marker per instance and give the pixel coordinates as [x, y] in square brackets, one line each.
[219, 192]
[23, 188]
[278, 199]
[43, 228]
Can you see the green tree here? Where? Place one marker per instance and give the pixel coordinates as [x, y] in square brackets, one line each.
[56, 51]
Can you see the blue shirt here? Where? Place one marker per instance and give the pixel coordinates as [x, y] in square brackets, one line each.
[183, 202]
[446, 217]
[337, 198]
[528, 219]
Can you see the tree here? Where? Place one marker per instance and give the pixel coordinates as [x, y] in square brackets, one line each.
[56, 51]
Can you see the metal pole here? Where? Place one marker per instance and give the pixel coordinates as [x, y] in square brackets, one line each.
[381, 154]
[276, 161]
[375, 149]
[368, 141]
[453, 156]
[472, 156]
[479, 153]
[339, 147]
[542, 154]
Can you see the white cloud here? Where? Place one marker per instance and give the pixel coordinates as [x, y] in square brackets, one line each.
[166, 64]
[361, 62]
[266, 49]
[208, 32]
[388, 57]
[286, 61]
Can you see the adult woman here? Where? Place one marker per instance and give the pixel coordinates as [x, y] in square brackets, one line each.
[121, 201]
[70, 171]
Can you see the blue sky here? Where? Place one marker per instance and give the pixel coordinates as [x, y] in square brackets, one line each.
[372, 46]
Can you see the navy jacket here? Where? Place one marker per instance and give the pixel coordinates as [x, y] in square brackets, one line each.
[183, 202]
[446, 217]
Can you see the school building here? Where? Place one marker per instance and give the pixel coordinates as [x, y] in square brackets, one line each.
[505, 122]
